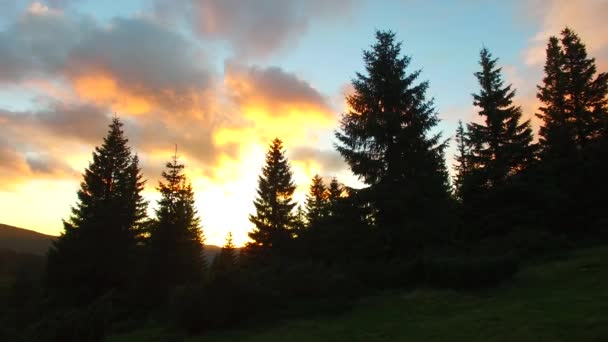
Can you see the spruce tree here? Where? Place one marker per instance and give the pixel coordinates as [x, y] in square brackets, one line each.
[335, 196]
[334, 191]
[385, 138]
[176, 238]
[317, 208]
[463, 156]
[502, 145]
[573, 136]
[225, 262]
[575, 100]
[274, 217]
[300, 222]
[95, 252]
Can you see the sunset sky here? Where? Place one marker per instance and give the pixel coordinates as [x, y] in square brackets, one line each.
[221, 78]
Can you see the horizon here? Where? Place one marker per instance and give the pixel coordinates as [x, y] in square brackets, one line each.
[241, 77]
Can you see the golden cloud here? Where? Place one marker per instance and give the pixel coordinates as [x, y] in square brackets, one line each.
[104, 90]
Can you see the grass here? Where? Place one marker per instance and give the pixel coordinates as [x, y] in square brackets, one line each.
[559, 300]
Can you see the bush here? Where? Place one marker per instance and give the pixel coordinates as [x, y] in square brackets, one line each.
[90, 323]
[468, 272]
[216, 304]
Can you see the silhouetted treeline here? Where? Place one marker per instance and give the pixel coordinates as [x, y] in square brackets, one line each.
[513, 197]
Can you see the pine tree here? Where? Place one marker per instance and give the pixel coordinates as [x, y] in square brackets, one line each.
[573, 136]
[317, 208]
[335, 191]
[463, 156]
[385, 139]
[176, 238]
[575, 101]
[95, 252]
[300, 221]
[274, 218]
[502, 146]
[225, 262]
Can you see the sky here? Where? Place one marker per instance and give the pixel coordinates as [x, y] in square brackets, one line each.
[221, 78]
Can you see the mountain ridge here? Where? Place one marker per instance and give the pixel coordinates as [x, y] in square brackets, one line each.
[23, 240]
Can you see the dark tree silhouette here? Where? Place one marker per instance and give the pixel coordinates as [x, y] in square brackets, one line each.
[94, 254]
[496, 153]
[317, 206]
[573, 136]
[575, 100]
[225, 262]
[462, 158]
[385, 139]
[274, 217]
[176, 238]
[335, 192]
[502, 145]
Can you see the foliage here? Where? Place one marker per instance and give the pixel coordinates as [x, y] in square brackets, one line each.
[93, 254]
[501, 146]
[385, 138]
[176, 240]
[274, 217]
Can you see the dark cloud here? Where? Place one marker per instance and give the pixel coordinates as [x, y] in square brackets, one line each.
[62, 121]
[331, 161]
[44, 164]
[17, 165]
[145, 59]
[253, 28]
[30, 46]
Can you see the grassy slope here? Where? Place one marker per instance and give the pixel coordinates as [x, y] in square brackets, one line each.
[561, 300]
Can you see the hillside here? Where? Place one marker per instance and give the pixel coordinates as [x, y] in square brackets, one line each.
[560, 300]
[28, 241]
[23, 240]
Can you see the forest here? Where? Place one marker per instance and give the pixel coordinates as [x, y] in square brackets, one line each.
[514, 197]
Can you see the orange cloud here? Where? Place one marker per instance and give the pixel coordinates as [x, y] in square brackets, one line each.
[587, 18]
[274, 103]
[104, 90]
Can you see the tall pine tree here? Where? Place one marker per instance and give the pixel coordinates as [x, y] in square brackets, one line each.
[502, 145]
[274, 217]
[225, 262]
[176, 238]
[463, 156]
[317, 206]
[575, 100]
[95, 252]
[573, 136]
[385, 138]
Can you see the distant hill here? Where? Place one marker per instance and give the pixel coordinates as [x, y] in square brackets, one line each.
[23, 240]
[28, 241]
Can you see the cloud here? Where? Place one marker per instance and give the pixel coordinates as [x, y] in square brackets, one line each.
[273, 103]
[18, 167]
[330, 161]
[132, 64]
[271, 87]
[48, 143]
[586, 18]
[149, 64]
[129, 66]
[253, 28]
[77, 72]
[81, 122]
